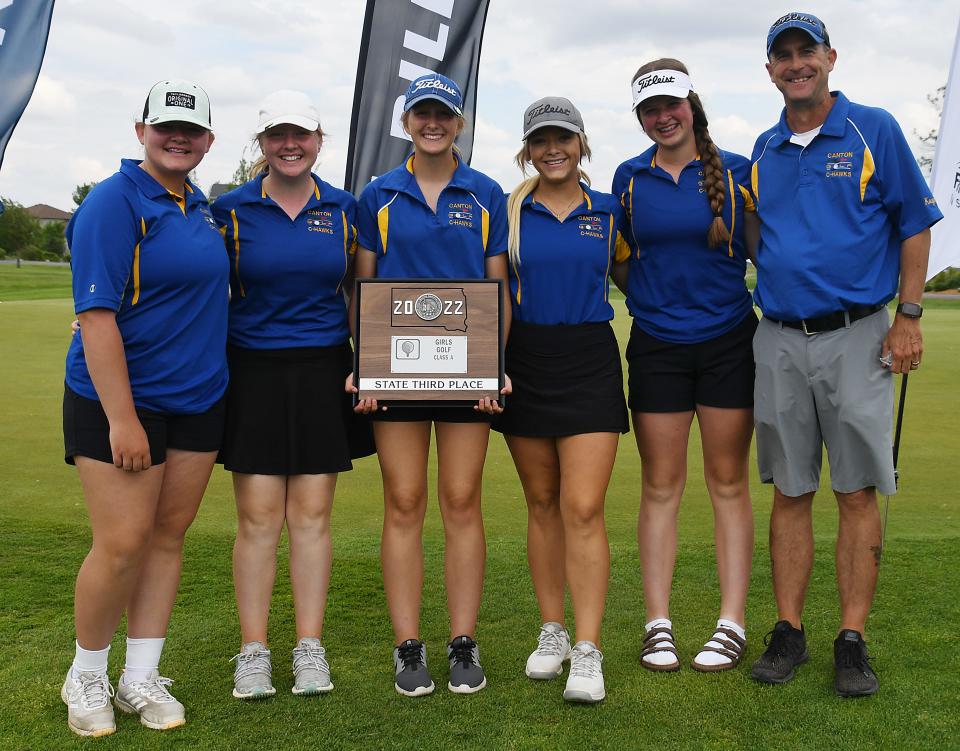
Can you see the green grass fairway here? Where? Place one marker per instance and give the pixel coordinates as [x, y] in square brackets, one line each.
[44, 537]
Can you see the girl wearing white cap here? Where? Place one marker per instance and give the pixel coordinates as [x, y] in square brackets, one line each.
[290, 427]
[567, 410]
[143, 405]
[690, 351]
[433, 217]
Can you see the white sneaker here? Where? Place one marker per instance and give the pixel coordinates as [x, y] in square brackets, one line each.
[553, 647]
[311, 671]
[253, 676]
[87, 697]
[157, 707]
[585, 680]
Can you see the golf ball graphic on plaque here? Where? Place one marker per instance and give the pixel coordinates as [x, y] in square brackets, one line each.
[428, 341]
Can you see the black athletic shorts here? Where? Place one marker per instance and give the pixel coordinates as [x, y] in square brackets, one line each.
[86, 430]
[670, 377]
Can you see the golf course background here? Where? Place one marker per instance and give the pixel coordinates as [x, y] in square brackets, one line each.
[912, 634]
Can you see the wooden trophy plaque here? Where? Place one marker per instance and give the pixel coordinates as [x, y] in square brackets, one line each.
[428, 341]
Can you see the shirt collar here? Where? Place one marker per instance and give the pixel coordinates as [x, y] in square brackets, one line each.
[584, 207]
[834, 125]
[254, 192]
[147, 184]
[402, 177]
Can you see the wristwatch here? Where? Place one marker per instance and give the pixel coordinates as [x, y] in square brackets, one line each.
[910, 309]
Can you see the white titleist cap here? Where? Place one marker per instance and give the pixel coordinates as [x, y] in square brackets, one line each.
[661, 83]
[287, 107]
[177, 101]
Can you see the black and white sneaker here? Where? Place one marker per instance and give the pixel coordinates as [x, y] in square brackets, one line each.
[410, 663]
[854, 676]
[466, 674]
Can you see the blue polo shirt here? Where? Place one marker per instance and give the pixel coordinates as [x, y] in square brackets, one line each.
[680, 289]
[411, 241]
[564, 269]
[157, 259]
[286, 275]
[833, 214]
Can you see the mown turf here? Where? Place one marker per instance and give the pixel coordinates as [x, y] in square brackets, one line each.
[44, 536]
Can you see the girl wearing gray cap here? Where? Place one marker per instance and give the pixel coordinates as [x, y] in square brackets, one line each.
[567, 412]
[690, 351]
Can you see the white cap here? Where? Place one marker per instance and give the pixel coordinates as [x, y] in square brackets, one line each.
[177, 101]
[673, 83]
[287, 107]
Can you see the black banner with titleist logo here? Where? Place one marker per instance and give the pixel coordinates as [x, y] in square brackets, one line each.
[403, 40]
[24, 27]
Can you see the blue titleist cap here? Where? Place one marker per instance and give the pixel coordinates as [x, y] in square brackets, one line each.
[435, 86]
[804, 21]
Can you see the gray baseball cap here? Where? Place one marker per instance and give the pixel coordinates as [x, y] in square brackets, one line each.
[552, 110]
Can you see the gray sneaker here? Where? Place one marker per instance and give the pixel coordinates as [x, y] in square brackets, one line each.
[466, 674]
[410, 663]
[252, 677]
[87, 697]
[151, 700]
[311, 672]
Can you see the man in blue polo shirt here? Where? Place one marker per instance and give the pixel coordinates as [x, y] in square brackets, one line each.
[845, 217]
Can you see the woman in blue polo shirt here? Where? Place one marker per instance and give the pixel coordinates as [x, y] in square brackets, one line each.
[433, 217]
[690, 350]
[143, 403]
[290, 427]
[567, 409]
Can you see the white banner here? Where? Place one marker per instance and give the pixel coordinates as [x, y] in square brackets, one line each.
[945, 182]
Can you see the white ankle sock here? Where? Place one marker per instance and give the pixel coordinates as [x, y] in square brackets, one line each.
[143, 657]
[89, 660]
[707, 657]
[661, 657]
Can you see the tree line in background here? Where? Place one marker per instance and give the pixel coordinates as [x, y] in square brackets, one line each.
[26, 238]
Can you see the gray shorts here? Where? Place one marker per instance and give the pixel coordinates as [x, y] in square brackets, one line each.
[827, 389]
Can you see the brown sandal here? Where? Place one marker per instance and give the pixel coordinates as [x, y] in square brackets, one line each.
[659, 639]
[731, 646]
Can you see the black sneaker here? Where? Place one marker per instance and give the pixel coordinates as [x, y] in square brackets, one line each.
[786, 649]
[410, 662]
[466, 675]
[854, 676]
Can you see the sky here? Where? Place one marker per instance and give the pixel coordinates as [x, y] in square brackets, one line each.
[103, 56]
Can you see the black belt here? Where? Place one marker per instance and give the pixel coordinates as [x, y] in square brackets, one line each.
[831, 321]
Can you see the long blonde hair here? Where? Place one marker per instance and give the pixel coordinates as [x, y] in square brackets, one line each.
[525, 188]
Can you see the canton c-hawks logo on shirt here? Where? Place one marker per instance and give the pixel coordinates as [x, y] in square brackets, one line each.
[460, 214]
[839, 164]
[320, 221]
[208, 218]
[592, 226]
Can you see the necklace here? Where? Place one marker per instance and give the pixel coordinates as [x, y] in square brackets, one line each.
[560, 215]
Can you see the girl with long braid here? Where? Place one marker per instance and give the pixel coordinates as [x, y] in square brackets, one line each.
[690, 349]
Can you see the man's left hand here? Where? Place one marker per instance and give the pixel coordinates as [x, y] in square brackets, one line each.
[902, 348]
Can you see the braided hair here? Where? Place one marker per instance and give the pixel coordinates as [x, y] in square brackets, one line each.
[713, 172]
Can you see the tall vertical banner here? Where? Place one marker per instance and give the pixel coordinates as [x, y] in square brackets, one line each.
[945, 181]
[24, 26]
[403, 40]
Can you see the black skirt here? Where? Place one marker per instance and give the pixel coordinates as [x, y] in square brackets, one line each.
[287, 412]
[567, 380]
